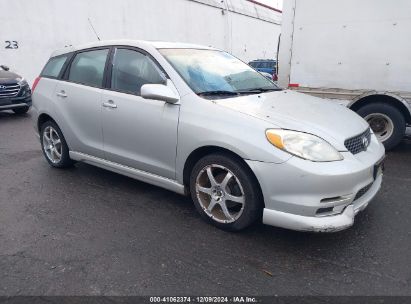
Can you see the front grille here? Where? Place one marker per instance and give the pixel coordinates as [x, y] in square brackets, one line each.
[358, 143]
[9, 90]
[362, 191]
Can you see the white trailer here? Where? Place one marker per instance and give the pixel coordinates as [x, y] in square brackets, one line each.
[31, 30]
[357, 52]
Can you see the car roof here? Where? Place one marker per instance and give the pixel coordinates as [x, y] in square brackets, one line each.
[133, 43]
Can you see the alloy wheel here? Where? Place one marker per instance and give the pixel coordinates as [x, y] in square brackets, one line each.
[52, 145]
[220, 193]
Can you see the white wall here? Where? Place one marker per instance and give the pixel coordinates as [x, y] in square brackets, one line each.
[347, 44]
[42, 26]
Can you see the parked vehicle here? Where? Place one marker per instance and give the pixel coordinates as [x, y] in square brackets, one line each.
[355, 54]
[266, 75]
[196, 120]
[15, 93]
[265, 65]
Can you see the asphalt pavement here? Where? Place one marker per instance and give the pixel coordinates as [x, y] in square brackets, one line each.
[87, 231]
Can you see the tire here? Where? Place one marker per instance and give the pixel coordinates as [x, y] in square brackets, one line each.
[51, 139]
[21, 110]
[387, 122]
[241, 186]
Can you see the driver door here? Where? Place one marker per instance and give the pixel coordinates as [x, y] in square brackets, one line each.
[138, 133]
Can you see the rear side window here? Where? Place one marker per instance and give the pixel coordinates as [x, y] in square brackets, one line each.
[132, 70]
[88, 68]
[54, 66]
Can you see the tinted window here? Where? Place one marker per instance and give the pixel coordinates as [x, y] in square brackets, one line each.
[54, 66]
[88, 68]
[131, 70]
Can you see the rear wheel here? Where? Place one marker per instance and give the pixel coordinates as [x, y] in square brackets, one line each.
[54, 146]
[225, 192]
[386, 121]
[21, 110]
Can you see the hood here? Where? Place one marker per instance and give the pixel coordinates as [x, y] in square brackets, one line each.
[8, 77]
[300, 112]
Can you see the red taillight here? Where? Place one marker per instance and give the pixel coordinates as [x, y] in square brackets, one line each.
[275, 77]
[293, 85]
[36, 81]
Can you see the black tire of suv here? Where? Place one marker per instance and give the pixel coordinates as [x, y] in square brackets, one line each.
[394, 114]
[254, 203]
[21, 110]
[65, 161]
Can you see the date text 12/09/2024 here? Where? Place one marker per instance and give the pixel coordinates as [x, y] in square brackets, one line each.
[240, 299]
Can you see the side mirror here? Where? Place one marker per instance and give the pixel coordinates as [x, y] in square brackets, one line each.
[5, 67]
[159, 92]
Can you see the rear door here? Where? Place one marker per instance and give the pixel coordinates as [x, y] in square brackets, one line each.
[78, 101]
[138, 133]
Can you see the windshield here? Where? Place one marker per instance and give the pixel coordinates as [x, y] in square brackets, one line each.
[212, 71]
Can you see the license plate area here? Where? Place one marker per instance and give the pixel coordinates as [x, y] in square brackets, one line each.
[5, 101]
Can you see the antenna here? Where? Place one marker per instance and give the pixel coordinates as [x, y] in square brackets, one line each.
[94, 30]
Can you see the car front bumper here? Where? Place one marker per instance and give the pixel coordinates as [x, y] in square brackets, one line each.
[330, 223]
[15, 102]
[322, 197]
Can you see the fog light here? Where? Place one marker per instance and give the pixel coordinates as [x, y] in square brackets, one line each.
[324, 211]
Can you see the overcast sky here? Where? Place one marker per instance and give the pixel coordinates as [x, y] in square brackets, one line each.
[274, 3]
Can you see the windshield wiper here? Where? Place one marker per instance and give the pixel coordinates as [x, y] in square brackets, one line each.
[258, 90]
[208, 93]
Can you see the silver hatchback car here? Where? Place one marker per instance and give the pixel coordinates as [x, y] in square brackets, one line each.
[198, 121]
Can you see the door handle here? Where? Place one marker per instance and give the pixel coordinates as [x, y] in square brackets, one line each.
[110, 104]
[62, 94]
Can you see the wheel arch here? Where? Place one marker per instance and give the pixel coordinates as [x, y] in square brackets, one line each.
[200, 152]
[43, 117]
[385, 97]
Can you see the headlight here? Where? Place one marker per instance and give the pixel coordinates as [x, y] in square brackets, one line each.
[22, 81]
[303, 145]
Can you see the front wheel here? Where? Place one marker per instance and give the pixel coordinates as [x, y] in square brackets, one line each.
[386, 121]
[225, 192]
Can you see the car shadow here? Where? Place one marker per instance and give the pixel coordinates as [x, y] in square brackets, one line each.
[6, 116]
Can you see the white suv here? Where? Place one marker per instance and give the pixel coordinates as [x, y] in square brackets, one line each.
[196, 120]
